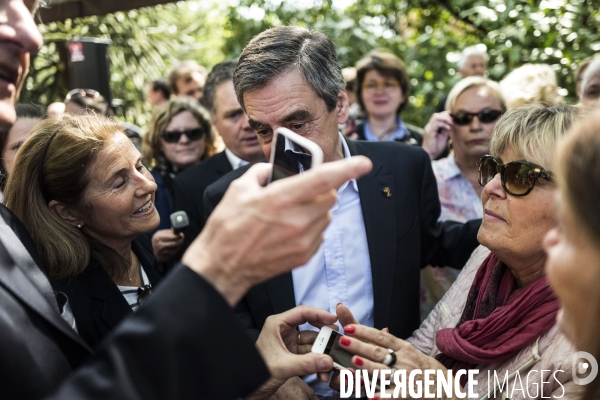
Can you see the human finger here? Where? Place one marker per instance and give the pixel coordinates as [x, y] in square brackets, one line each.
[322, 178]
[374, 336]
[306, 364]
[258, 174]
[303, 314]
[344, 315]
[365, 350]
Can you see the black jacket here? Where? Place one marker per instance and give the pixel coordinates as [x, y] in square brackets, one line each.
[97, 303]
[190, 185]
[403, 235]
[179, 345]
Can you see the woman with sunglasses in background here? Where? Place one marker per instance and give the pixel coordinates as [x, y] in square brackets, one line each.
[473, 108]
[382, 91]
[81, 190]
[180, 135]
[499, 317]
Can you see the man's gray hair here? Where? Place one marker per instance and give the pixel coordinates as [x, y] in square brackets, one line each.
[471, 51]
[221, 72]
[277, 51]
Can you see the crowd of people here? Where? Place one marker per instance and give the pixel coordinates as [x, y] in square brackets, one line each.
[101, 298]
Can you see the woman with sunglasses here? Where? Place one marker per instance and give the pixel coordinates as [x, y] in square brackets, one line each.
[382, 91]
[574, 246]
[474, 106]
[81, 190]
[180, 135]
[499, 317]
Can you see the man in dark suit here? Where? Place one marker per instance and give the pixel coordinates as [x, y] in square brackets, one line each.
[184, 342]
[384, 226]
[241, 144]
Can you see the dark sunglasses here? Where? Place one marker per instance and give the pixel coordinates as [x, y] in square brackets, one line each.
[518, 177]
[485, 116]
[143, 293]
[174, 136]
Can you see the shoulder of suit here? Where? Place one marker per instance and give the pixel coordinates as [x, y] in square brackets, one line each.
[394, 150]
[195, 172]
[220, 185]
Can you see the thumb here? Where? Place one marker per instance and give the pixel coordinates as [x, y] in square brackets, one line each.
[345, 315]
[258, 173]
[309, 363]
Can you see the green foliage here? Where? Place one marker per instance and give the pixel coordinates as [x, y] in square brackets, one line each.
[145, 44]
[427, 34]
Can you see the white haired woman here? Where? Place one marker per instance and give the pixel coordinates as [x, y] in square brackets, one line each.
[473, 108]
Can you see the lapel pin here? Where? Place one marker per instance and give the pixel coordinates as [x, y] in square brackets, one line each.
[387, 191]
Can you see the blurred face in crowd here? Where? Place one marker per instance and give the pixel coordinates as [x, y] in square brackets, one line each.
[154, 97]
[288, 101]
[19, 37]
[590, 94]
[16, 136]
[381, 95]
[513, 227]
[192, 87]
[472, 141]
[185, 152]
[119, 200]
[573, 271]
[474, 66]
[231, 122]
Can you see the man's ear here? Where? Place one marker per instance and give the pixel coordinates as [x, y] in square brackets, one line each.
[341, 108]
[65, 213]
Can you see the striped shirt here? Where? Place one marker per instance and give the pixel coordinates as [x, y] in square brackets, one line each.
[131, 292]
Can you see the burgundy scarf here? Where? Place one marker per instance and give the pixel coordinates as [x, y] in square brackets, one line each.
[498, 320]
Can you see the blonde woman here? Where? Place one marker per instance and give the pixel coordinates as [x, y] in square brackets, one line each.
[180, 136]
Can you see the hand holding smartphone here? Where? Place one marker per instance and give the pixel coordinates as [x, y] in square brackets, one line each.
[288, 149]
[328, 342]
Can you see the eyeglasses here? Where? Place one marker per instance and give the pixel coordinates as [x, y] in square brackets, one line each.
[485, 116]
[143, 293]
[91, 93]
[518, 177]
[174, 136]
[372, 86]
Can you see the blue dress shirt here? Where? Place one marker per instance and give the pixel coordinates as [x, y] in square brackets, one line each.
[340, 271]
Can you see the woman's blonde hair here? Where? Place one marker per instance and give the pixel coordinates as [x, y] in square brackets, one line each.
[54, 164]
[473, 82]
[578, 176]
[151, 143]
[532, 131]
[531, 83]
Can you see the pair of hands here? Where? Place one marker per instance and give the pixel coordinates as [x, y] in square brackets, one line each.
[436, 133]
[372, 345]
[287, 359]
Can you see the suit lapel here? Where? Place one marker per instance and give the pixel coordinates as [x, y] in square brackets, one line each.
[378, 204]
[31, 287]
[101, 287]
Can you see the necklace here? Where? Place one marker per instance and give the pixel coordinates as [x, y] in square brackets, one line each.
[134, 262]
